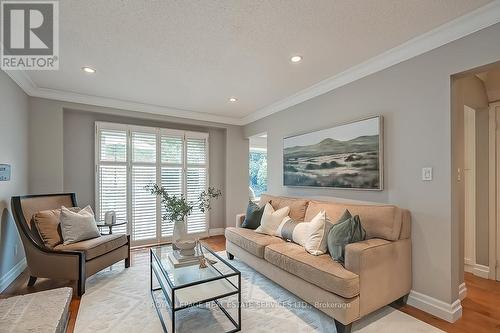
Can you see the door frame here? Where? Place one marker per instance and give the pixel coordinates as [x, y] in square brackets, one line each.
[494, 192]
[469, 174]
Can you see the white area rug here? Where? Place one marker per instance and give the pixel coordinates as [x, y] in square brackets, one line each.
[118, 300]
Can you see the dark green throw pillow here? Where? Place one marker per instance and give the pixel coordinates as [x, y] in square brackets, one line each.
[347, 230]
[253, 216]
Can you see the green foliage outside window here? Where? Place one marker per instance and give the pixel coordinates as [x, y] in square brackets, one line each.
[258, 171]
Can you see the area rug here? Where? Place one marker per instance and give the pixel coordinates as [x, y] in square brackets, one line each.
[119, 300]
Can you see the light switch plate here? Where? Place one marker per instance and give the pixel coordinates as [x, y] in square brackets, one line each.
[4, 172]
[427, 174]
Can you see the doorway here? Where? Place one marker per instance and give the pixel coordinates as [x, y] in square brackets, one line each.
[494, 190]
[257, 178]
[476, 172]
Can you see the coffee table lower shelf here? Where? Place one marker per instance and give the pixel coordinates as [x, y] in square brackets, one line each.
[194, 294]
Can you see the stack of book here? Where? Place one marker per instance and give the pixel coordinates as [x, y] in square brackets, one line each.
[178, 260]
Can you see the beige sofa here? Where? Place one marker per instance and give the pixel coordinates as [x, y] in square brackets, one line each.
[377, 271]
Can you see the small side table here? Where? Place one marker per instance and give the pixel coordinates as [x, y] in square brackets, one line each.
[101, 225]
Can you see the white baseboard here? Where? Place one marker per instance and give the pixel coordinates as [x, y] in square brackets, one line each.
[216, 231]
[449, 312]
[481, 271]
[462, 291]
[11, 275]
[478, 270]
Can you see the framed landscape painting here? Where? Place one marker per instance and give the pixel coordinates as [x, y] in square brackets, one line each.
[347, 156]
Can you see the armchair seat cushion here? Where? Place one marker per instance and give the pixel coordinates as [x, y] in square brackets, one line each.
[250, 240]
[321, 270]
[95, 247]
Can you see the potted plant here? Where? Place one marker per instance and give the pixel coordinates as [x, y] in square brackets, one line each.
[178, 208]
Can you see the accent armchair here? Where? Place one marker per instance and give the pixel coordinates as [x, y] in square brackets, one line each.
[73, 262]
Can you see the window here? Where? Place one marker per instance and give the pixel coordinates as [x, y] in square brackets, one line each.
[258, 171]
[130, 157]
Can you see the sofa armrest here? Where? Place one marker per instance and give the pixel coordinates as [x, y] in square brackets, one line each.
[384, 269]
[239, 220]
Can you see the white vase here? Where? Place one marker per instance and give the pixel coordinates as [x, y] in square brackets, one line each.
[180, 233]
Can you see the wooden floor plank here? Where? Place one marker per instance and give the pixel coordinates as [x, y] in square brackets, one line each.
[481, 307]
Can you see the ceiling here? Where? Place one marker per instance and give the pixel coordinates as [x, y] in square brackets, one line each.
[192, 56]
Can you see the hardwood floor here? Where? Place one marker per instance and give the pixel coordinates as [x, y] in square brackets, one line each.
[480, 313]
[481, 307]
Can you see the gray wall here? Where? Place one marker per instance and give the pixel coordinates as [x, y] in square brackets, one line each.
[13, 151]
[78, 157]
[61, 146]
[414, 98]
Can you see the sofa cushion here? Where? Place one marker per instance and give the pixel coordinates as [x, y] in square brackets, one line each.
[297, 206]
[95, 247]
[250, 240]
[379, 221]
[321, 270]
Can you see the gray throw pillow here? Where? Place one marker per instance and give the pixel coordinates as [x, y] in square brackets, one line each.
[347, 230]
[78, 226]
[253, 216]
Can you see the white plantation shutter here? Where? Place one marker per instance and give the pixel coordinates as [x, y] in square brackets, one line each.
[111, 170]
[196, 183]
[172, 162]
[143, 173]
[171, 179]
[196, 177]
[143, 203]
[113, 193]
[130, 157]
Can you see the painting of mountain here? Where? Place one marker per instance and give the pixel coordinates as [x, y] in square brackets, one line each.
[344, 156]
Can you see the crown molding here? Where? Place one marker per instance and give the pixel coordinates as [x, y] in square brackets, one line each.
[22, 79]
[462, 26]
[131, 106]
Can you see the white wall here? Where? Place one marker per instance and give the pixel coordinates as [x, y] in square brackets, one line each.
[13, 151]
[414, 98]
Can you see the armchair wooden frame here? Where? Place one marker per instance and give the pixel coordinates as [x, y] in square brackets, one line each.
[44, 262]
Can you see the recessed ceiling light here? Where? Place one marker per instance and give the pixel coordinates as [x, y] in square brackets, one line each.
[233, 99]
[87, 69]
[296, 58]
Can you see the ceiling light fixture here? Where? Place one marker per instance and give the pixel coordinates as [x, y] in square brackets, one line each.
[296, 58]
[87, 69]
[233, 99]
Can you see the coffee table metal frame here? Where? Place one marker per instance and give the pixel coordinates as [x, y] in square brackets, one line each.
[171, 297]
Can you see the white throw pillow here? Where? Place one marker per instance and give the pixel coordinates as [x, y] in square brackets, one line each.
[311, 235]
[76, 227]
[271, 219]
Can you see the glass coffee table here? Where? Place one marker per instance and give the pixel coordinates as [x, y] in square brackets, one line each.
[189, 286]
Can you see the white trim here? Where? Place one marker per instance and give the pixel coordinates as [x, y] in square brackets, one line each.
[462, 291]
[469, 174]
[216, 232]
[449, 312]
[492, 192]
[478, 270]
[481, 271]
[476, 20]
[12, 274]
